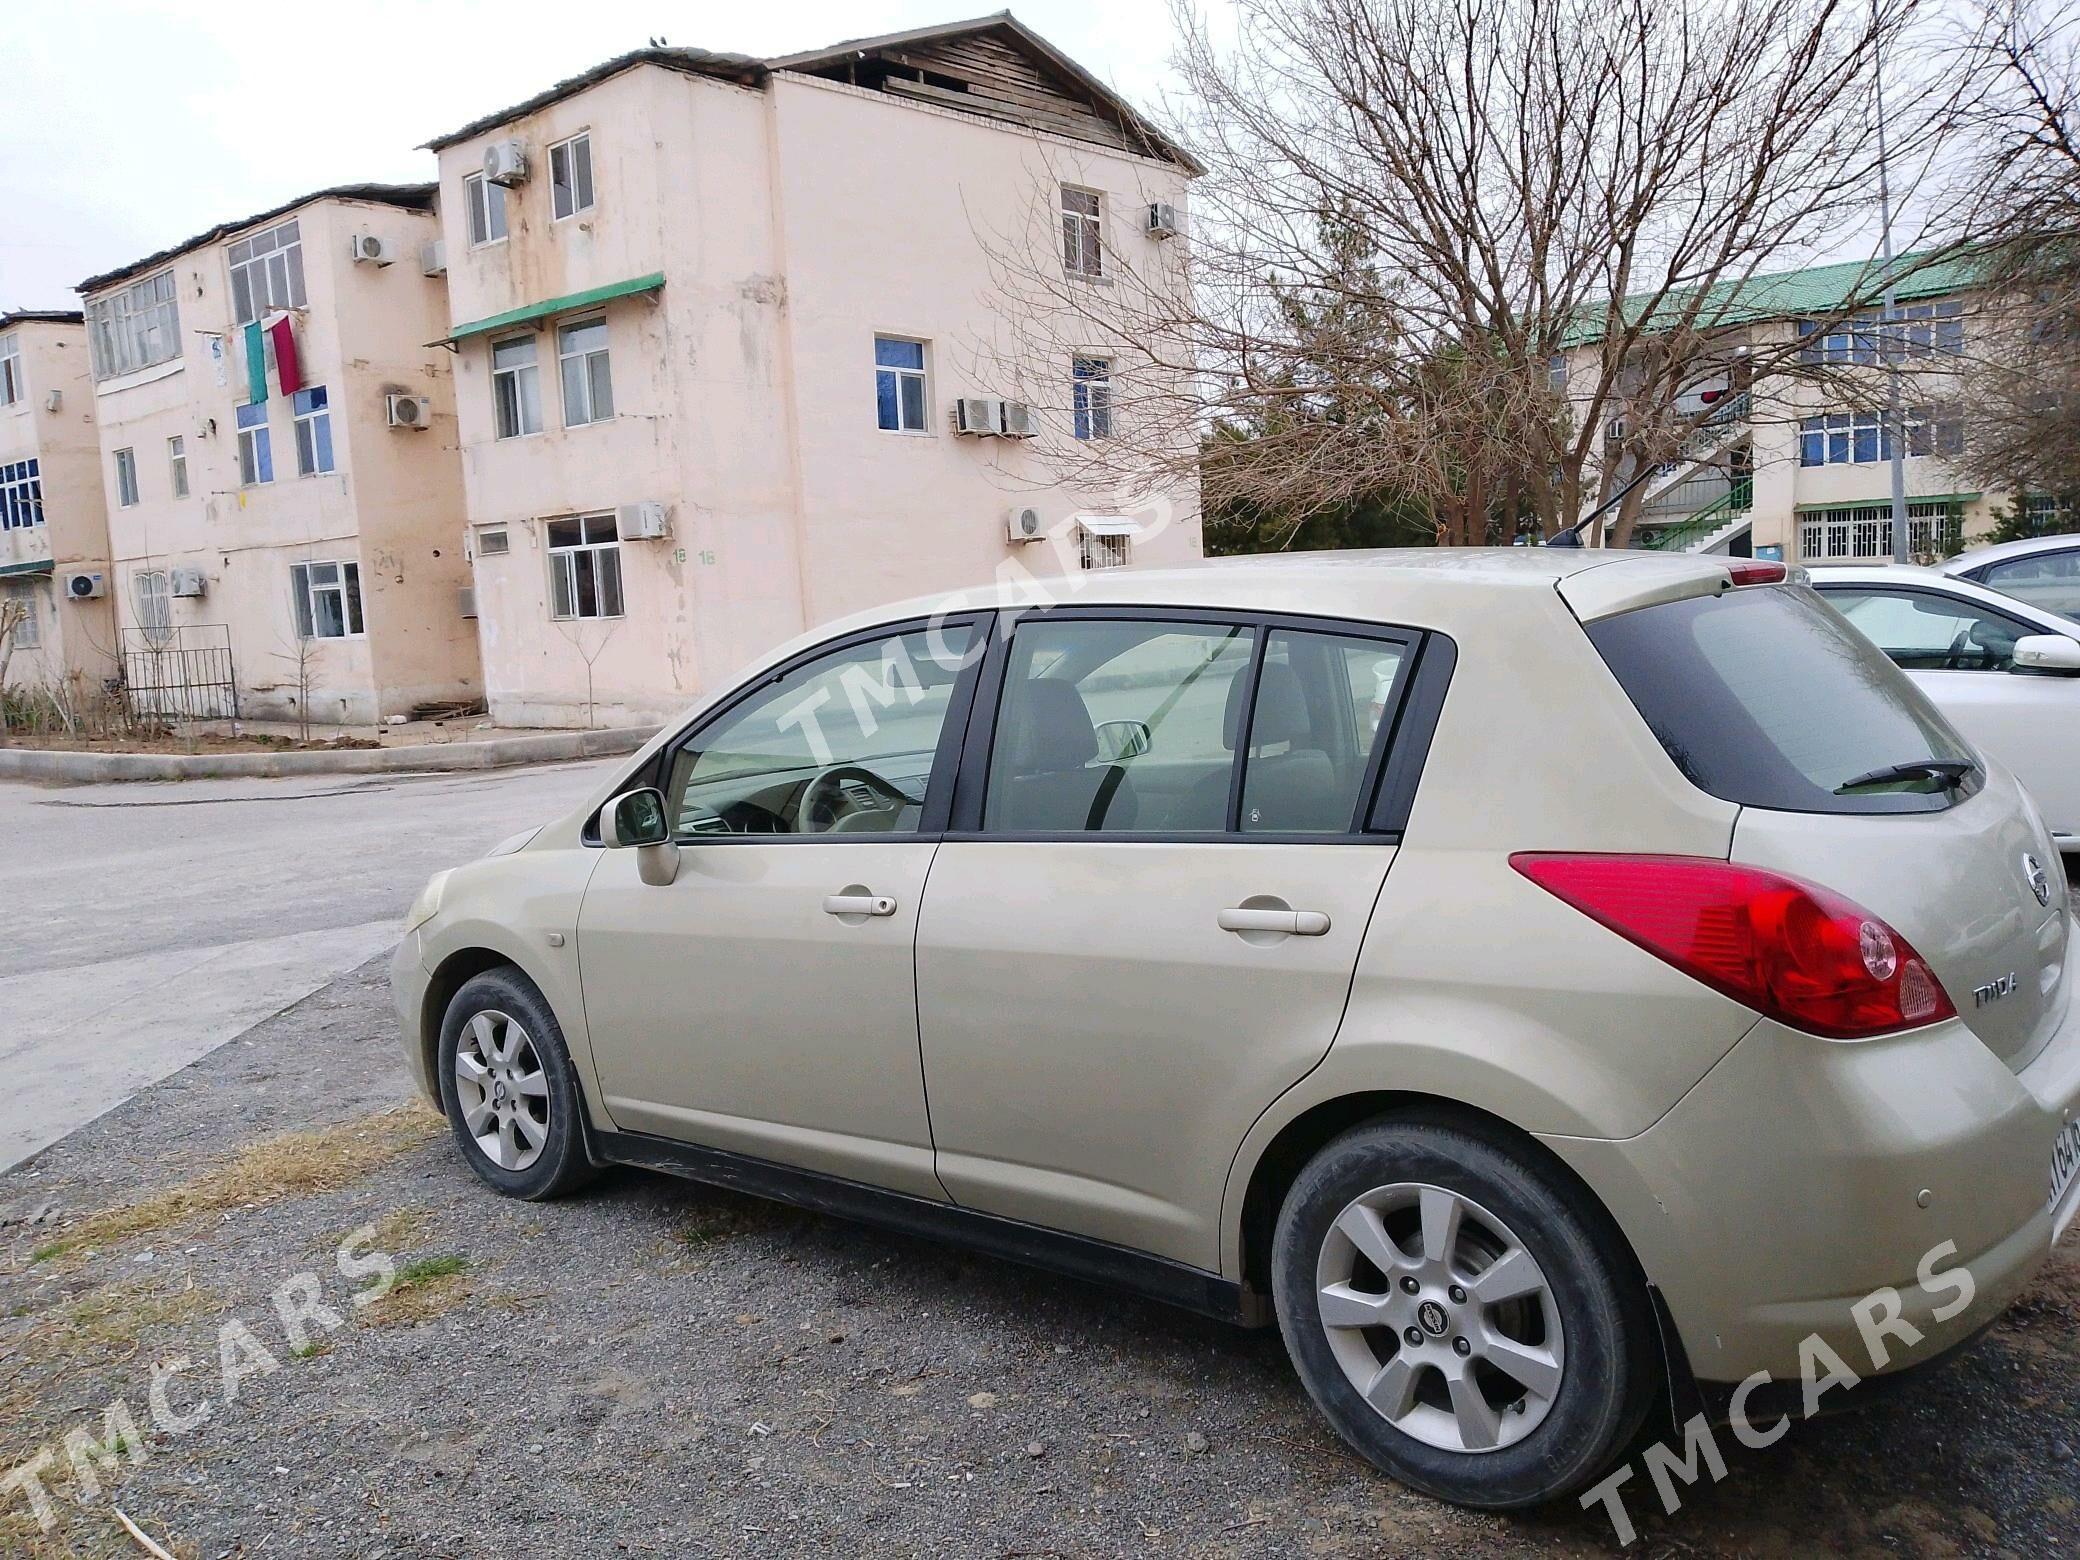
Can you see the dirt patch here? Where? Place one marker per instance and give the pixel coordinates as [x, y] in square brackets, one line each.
[196, 742]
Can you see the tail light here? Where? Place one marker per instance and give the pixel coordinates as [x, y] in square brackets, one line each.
[1757, 572]
[1791, 950]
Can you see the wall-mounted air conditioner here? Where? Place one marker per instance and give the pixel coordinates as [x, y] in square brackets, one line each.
[370, 250]
[1023, 524]
[979, 416]
[187, 582]
[645, 522]
[54, 400]
[1020, 420]
[433, 258]
[1162, 219]
[85, 586]
[505, 162]
[407, 411]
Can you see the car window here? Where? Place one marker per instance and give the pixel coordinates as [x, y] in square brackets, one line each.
[1320, 701]
[1925, 631]
[1113, 726]
[2050, 580]
[1765, 698]
[843, 744]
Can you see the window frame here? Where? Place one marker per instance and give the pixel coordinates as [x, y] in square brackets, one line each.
[122, 321]
[947, 761]
[1090, 398]
[303, 609]
[1392, 767]
[556, 557]
[177, 464]
[1089, 225]
[476, 204]
[28, 633]
[13, 389]
[21, 494]
[922, 374]
[309, 419]
[584, 356]
[128, 493]
[262, 433]
[240, 273]
[567, 146]
[534, 367]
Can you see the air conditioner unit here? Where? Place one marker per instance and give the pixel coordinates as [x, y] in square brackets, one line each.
[978, 415]
[1020, 420]
[505, 162]
[1162, 219]
[1023, 524]
[85, 587]
[408, 411]
[54, 400]
[187, 582]
[466, 601]
[372, 250]
[433, 258]
[646, 522]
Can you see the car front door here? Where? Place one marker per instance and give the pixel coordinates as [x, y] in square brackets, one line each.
[1133, 941]
[764, 1000]
[1961, 653]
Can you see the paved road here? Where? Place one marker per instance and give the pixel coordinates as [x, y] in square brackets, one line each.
[148, 924]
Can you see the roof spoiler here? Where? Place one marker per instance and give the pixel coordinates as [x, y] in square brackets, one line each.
[1631, 581]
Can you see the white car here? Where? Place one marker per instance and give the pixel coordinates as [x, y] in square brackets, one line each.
[2043, 571]
[2006, 672]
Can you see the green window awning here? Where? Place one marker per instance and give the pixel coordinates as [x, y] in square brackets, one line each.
[549, 306]
[33, 566]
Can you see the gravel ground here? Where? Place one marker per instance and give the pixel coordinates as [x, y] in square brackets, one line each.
[656, 1368]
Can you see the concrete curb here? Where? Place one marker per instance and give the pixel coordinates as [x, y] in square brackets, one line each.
[64, 768]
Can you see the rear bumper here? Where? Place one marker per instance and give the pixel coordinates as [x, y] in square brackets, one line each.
[1894, 1190]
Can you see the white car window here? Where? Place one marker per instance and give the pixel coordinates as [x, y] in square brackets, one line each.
[2050, 580]
[1923, 631]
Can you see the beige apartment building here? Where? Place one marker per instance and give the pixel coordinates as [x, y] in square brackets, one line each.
[1800, 470]
[731, 344]
[277, 448]
[53, 531]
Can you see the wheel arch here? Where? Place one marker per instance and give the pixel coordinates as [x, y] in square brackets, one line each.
[454, 971]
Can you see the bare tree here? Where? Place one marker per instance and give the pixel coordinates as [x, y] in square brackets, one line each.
[1412, 208]
[14, 612]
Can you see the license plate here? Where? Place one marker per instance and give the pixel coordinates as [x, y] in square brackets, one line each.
[2065, 1159]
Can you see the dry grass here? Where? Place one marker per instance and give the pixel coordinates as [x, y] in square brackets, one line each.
[424, 1289]
[104, 1326]
[289, 1165]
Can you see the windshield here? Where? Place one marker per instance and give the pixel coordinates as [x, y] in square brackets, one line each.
[1767, 698]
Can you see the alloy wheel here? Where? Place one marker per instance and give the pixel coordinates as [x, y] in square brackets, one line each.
[1440, 1317]
[503, 1092]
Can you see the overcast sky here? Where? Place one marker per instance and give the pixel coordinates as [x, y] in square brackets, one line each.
[130, 125]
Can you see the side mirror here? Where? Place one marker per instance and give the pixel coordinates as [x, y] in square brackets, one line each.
[1124, 739]
[636, 820]
[2047, 653]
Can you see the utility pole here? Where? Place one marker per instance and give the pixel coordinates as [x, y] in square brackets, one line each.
[1891, 343]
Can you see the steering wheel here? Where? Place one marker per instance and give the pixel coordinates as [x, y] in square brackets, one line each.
[823, 805]
[1953, 659]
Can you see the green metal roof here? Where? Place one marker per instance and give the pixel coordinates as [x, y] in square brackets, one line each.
[1886, 502]
[33, 566]
[549, 306]
[1816, 290]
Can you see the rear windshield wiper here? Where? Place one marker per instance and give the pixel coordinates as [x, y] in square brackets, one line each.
[1952, 771]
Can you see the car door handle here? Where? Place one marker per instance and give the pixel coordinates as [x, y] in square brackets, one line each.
[858, 904]
[1295, 923]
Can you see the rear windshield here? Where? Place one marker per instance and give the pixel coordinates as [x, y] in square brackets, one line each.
[1766, 697]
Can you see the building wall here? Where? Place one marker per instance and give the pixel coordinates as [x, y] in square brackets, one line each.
[77, 649]
[791, 224]
[391, 503]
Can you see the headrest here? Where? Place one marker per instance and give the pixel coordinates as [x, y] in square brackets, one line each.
[1051, 729]
[1281, 713]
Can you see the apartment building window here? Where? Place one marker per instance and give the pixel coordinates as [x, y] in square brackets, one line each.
[1852, 532]
[1093, 393]
[487, 209]
[2043, 514]
[1083, 250]
[10, 369]
[570, 177]
[177, 464]
[21, 495]
[313, 431]
[154, 602]
[516, 387]
[266, 272]
[1916, 330]
[255, 445]
[1107, 552]
[588, 386]
[899, 398]
[28, 628]
[126, 478]
[1858, 438]
[327, 599]
[137, 327]
[584, 567]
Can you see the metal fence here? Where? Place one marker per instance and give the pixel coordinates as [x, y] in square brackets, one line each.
[182, 673]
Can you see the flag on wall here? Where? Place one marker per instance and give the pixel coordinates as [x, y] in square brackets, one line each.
[256, 363]
[288, 368]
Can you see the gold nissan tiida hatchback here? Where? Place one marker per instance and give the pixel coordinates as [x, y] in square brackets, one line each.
[1554, 987]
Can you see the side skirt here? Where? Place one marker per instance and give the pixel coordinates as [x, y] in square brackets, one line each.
[1100, 1262]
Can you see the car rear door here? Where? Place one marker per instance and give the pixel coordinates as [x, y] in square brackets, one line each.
[1129, 948]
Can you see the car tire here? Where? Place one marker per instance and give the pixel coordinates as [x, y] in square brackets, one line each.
[508, 1088]
[1526, 1327]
